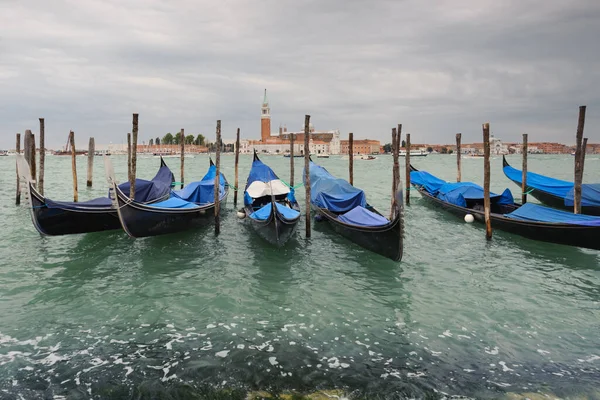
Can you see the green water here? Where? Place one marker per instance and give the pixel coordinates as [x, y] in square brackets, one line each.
[105, 316]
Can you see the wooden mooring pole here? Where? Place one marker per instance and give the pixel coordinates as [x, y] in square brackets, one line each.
[396, 157]
[129, 157]
[73, 165]
[237, 161]
[40, 184]
[394, 178]
[18, 150]
[90, 169]
[486, 180]
[524, 171]
[30, 153]
[307, 171]
[134, 139]
[292, 159]
[458, 158]
[182, 140]
[218, 179]
[579, 161]
[351, 155]
[407, 169]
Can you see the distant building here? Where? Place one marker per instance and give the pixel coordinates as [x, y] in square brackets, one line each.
[365, 146]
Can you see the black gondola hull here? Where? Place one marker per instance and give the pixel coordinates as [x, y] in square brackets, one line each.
[384, 240]
[567, 234]
[550, 199]
[59, 221]
[276, 230]
[139, 220]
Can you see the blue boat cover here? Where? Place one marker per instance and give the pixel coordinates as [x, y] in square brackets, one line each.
[260, 172]
[262, 181]
[203, 192]
[145, 192]
[458, 193]
[590, 195]
[174, 202]
[331, 193]
[429, 182]
[538, 213]
[263, 213]
[363, 217]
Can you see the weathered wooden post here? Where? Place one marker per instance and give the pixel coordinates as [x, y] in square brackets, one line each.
[218, 179]
[182, 140]
[134, 138]
[73, 165]
[237, 160]
[486, 180]
[291, 159]
[40, 184]
[129, 156]
[396, 156]
[18, 150]
[90, 169]
[524, 176]
[458, 158]
[307, 172]
[30, 152]
[26, 152]
[578, 162]
[394, 178]
[407, 169]
[351, 155]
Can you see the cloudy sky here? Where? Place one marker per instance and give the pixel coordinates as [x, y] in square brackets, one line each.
[363, 66]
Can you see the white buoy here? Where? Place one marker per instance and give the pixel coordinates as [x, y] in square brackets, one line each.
[469, 218]
[241, 214]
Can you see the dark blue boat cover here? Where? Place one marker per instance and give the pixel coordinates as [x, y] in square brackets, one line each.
[263, 213]
[331, 193]
[175, 202]
[203, 192]
[458, 193]
[429, 182]
[590, 193]
[538, 213]
[260, 172]
[262, 181]
[363, 217]
[145, 192]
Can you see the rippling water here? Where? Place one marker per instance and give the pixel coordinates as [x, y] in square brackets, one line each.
[105, 316]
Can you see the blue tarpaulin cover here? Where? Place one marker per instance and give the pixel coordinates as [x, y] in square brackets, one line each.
[263, 213]
[537, 213]
[203, 192]
[458, 193]
[363, 217]
[429, 182]
[260, 172]
[175, 202]
[590, 193]
[145, 192]
[331, 193]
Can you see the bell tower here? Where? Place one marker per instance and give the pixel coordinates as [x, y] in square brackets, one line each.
[265, 119]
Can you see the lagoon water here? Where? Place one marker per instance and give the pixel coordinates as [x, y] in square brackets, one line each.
[105, 316]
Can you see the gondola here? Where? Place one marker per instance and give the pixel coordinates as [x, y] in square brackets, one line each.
[270, 205]
[347, 211]
[530, 220]
[191, 207]
[63, 217]
[555, 192]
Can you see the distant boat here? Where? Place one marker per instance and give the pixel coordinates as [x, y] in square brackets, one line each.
[3, 153]
[295, 155]
[414, 153]
[323, 155]
[367, 157]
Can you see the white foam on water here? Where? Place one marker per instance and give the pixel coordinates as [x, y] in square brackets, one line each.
[222, 353]
[415, 374]
[170, 326]
[263, 322]
[273, 360]
[270, 349]
[504, 367]
[210, 326]
[468, 370]
[292, 343]
[491, 351]
[501, 384]
[590, 359]
[333, 362]
[118, 341]
[129, 370]
[344, 365]
[191, 329]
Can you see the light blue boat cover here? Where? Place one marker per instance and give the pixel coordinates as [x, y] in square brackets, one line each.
[429, 182]
[203, 192]
[333, 194]
[175, 202]
[363, 217]
[458, 193]
[538, 213]
[263, 213]
[145, 192]
[590, 193]
[260, 172]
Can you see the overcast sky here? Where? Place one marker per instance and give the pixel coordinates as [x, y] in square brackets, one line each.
[363, 66]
